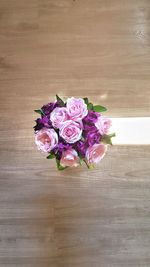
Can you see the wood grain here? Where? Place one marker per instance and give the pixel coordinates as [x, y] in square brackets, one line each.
[78, 218]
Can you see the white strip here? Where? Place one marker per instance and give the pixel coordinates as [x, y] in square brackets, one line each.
[131, 131]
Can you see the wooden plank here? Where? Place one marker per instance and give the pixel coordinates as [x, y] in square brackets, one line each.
[79, 217]
[94, 48]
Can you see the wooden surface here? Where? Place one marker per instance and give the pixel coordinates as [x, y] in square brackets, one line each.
[78, 218]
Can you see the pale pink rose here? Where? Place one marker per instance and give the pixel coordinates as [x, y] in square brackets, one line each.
[103, 124]
[46, 139]
[77, 109]
[95, 153]
[69, 158]
[58, 116]
[71, 131]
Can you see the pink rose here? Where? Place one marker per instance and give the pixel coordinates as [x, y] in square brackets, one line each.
[58, 116]
[46, 139]
[71, 131]
[69, 158]
[103, 124]
[95, 153]
[77, 109]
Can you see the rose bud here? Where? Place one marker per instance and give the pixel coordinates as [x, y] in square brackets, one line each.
[69, 158]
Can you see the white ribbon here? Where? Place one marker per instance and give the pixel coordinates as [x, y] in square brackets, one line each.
[131, 131]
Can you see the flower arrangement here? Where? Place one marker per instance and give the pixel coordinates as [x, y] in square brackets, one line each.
[73, 131]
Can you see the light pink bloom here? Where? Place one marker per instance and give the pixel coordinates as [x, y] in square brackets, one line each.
[103, 124]
[71, 131]
[58, 116]
[46, 139]
[69, 158]
[95, 153]
[77, 109]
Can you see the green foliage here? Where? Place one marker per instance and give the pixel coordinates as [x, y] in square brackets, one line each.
[86, 100]
[96, 108]
[60, 101]
[106, 139]
[59, 167]
[99, 108]
[90, 106]
[39, 111]
[51, 156]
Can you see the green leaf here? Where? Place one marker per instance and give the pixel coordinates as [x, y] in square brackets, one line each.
[90, 106]
[106, 139]
[51, 156]
[60, 101]
[59, 167]
[112, 135]
[39, 111]
[86, 100]
[99, 108]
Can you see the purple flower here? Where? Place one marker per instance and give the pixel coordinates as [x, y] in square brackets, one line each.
[81, 148]
[91, 117]
[42, 122]
[90, 131]
[48, 108]
[88, 127]
[61, 146]
[93, 136]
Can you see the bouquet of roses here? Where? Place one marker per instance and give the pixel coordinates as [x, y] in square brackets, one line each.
[73, 131]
